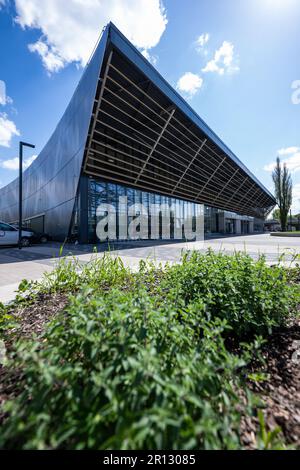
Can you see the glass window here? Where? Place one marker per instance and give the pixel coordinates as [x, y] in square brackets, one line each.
[121, 213]
[111, 194]
[6, 228]
[101, 192]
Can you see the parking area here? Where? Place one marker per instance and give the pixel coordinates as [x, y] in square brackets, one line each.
[32, 262]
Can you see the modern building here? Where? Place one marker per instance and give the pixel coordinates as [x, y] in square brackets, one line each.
[127, 132]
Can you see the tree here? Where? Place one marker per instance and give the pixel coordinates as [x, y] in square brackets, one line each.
[283, 191]
[276, 214]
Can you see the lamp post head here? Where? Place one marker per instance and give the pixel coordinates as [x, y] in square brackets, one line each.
[25, 144]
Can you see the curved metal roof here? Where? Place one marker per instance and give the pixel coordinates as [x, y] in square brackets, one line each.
[144, 134]
[126, 124]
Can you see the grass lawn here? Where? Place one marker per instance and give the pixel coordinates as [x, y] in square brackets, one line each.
[296, 233]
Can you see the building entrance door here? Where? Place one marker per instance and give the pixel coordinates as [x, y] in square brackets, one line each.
[230, 226]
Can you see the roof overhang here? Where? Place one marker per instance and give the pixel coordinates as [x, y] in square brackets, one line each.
[143, 134]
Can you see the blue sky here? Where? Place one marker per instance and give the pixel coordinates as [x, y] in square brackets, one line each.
[236, 62]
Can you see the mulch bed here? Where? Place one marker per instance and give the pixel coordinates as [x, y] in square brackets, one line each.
[30, 320]
[280, 393]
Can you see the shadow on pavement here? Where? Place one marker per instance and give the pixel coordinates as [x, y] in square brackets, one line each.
[52, 250]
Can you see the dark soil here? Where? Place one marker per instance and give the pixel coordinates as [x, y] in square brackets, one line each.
[30, 320]
[280, 393]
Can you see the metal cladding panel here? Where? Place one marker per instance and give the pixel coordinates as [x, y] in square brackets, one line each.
[50, 183]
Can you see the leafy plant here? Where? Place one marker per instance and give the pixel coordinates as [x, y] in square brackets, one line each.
[269, 440]
[250, 295]
[115, 372]
[6, 320]
[147, 360]
[70, 275]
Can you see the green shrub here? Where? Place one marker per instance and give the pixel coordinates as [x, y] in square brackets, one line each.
[141, 361]
[70, 275]
[116, 372]
[6, 321]
[250, 295]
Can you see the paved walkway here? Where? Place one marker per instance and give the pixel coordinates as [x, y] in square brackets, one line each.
[31, 263]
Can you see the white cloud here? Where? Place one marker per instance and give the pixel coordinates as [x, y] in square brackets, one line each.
[292, 161]
[223, 61]
[201, 41]
[151, 58]
[50, 57]
[270, 166]
[8, 129]
[189, 83]
[71, 28]
[288, 151]
[296, 199]
[2, 92]
[4, 98]
[13, 164]
[2, 3]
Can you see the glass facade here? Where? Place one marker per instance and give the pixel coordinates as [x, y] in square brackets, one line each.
[211, 224]
[102, 192]
[139, 215]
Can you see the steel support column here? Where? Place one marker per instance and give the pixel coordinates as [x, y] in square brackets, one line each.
[224, 187]
[189, 165]
[155, 145]
[238, 189]
[99, 102]
[208, 181]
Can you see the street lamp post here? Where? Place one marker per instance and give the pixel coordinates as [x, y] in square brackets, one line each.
[21, 145]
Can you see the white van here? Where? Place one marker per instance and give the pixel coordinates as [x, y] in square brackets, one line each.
[9, 235]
